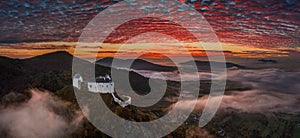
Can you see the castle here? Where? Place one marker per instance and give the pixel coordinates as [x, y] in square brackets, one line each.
[101, 84]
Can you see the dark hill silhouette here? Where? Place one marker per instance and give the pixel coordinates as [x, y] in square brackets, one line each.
[10, 66]
[267, 61]
[137, 64]
[52, 71]
[56, 61]
[205, 65]
[45, 71]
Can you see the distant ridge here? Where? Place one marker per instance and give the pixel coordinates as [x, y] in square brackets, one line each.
[140, 64]
[205, 65]
[137, 64]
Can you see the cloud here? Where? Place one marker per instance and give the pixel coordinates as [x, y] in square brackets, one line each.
[261, 53]
[258, 101]
[39, 46]
[18, 40]
[268, 80]
[234, 22]
[175, 76]
[252, 102]
[272, 90]
[41, 116]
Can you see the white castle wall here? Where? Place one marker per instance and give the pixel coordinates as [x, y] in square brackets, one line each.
[101, 87]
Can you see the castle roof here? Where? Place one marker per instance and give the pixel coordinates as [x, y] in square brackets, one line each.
[101, 79]
[77, 76]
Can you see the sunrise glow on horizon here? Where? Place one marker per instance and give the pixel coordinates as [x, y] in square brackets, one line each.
[27, 50]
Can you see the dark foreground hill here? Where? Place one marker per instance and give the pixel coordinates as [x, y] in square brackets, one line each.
[52, 71]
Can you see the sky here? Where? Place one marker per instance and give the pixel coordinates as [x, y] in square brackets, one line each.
[248, 29]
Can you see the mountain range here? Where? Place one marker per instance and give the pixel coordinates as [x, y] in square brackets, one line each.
[53, 71]
[137, 64]
[140, 64]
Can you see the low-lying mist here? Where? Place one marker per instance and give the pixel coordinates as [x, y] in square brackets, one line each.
[253, 102]
[271, 90]
[43, 115]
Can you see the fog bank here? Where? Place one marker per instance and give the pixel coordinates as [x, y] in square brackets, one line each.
[41, 116]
